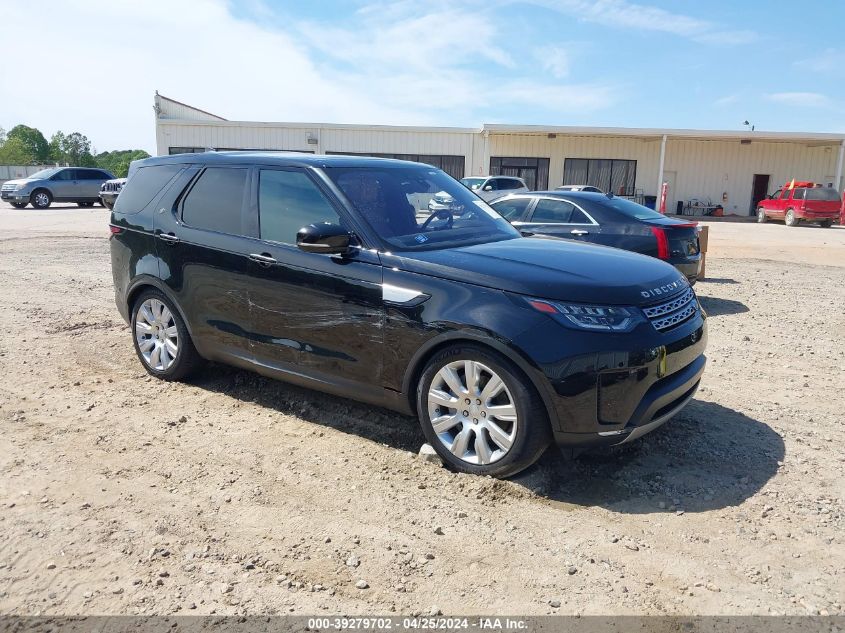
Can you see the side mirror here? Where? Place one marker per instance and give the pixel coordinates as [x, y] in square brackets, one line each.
[325, 238]
[488, 188]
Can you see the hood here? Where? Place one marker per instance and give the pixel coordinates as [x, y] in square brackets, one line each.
[551, 268]
[17, 181]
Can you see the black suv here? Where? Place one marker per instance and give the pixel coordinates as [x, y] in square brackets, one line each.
[334, 273]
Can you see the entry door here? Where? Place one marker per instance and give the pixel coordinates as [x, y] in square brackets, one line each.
[312, 314]
[669, 177]
[759, 191]
[64, 184]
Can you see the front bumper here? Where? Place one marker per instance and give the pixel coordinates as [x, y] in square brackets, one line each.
[607, 388]
[14, 196]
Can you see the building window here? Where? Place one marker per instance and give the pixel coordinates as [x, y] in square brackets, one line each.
[610, 175]
[185, 150]
[452, 165]
[534, 171]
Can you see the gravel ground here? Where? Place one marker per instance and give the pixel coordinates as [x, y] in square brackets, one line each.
[235, 494]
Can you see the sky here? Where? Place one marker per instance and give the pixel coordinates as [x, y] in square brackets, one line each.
[93, 66]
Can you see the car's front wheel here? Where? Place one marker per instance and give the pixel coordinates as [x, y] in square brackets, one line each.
[826, 224]
[161, 339]
[761, 216]
[40, 199]
[19, 205]
[790, 219]
[481, 413]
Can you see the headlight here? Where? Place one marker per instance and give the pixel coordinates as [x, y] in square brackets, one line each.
[20, 186]
[590, 317]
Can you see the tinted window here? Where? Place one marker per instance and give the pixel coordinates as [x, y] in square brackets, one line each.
[579, 217]
[823, 193]
[288, 201]
[776, 195]
[512, 209]
[90, 174]
[65, 174]
[552, 211]
[142, 187]
[509, 183]
[491, 185]
[786, 193]
[215, 201]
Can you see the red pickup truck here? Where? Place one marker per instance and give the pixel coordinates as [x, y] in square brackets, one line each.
[801, 200]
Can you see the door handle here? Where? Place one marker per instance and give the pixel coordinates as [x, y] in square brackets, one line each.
[170, 238]
[263, 258]
[579, 232]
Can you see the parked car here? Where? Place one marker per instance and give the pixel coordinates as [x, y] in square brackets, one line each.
[579, 188]
[492, 187]
[56, 184]
[109, 191]
[605, 219]
[803, 200]
[315, 270]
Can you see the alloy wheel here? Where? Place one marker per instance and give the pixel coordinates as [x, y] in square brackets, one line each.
[156, 334]
[41, 199]
[472, 412]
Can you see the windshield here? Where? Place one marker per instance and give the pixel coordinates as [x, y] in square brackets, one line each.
[418, 208]
[822, 193]
[631, 209]
[44, 173]
[472, 183]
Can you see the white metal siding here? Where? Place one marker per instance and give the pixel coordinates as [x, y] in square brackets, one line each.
[703, 168]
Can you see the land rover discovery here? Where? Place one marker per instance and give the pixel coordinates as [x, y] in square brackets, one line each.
[333, 272]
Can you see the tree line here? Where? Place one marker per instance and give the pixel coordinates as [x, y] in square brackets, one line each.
[24, 145]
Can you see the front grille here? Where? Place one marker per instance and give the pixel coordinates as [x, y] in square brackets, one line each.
[8, 188]
[665, 316]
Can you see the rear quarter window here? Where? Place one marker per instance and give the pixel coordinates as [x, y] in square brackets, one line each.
[823, 193]
[144, 184]
[215, 202]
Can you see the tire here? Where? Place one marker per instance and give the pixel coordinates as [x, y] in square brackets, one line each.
[789, 219]
[826, 224]
[762, 218]
[85, 205]
[519, 442]
[40, 199]
[19, 205]
[157, 328]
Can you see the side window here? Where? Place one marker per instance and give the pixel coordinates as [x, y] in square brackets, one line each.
[512, 209]
[492, 184]
[216, 200]
[289, 201]
[65, 174]
[776, 195]
[786, 193]
[143, 186]
[798, 194]
[579, 217]
[511, 183]
[552, 211]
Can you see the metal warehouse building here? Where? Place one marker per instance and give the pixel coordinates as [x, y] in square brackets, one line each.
[729, 168]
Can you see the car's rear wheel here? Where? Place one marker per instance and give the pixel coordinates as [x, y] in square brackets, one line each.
[40, 199]
[85, 204]
[161, 339]
[826, 224]
[790, 219]
[19, 205]
[481, 413]
[761, 216]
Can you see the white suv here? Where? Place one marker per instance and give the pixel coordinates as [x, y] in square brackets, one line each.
[492, 187]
